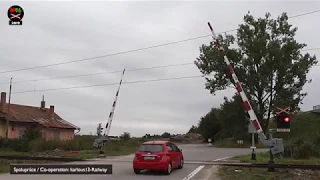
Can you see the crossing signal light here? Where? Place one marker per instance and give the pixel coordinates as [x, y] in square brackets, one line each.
[99, 130]
[283, 121]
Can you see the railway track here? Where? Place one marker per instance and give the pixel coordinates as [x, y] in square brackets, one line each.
[35, 158]
[259, 165]
[286, 166]
[220, 163]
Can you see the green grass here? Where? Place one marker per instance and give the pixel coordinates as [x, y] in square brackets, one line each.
[264, 158]
[231, 173]
[240, 173]
[121, 151]
[110, 149]
[86, 154]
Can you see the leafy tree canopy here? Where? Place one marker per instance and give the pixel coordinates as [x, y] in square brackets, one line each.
[193, 129]
[233, 118]
[209, 125]
[125, 136]
[267, 60]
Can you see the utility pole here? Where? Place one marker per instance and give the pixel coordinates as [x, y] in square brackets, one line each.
[7, 120]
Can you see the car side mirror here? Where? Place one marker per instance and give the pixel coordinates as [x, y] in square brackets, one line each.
[180, 150]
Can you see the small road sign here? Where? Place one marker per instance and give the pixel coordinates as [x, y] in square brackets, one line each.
[286, 110]
[283, 130]
[251, 128]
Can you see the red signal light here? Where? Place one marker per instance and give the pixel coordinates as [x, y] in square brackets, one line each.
[286, 119]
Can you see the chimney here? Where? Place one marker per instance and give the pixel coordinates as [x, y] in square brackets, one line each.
[43, 103]
[3, 101]
[51, 112]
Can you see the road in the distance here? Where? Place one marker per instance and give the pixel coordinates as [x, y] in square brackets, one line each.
[122, 166]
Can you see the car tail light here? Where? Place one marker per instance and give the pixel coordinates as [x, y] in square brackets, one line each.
[137, 156]
[162, 157]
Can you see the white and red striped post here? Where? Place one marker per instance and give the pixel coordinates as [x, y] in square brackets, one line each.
[99, 142]
[108, 125]
[239, 89]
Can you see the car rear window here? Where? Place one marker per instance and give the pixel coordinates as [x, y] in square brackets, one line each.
[151, 148]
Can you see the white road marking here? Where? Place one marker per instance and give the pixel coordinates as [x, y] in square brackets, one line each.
[193, 173]
[221, 159]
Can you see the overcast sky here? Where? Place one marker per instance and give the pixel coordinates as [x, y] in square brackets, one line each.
[54, 32]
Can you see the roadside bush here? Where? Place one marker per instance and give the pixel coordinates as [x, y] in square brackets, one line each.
[304, 151]
[18, 145]
[76, 144]
[71, 145]
[303, 147]
[39, 145]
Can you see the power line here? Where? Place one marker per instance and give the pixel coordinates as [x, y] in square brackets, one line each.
[111, 72]
[135, 50]
[304, 14]
[110, 84]
[94, 74]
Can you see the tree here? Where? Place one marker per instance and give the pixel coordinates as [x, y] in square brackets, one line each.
[193, 129]
[267, 60]
[125, 136]
[166, 135]
[209, 125]
[233, 119]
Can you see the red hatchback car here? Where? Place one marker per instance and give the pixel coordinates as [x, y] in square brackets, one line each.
[158, 156]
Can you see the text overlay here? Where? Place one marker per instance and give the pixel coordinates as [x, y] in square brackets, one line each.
[60, 169]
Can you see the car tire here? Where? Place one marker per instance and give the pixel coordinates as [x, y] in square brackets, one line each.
[169, 169]
[181, 164]
[137, 171]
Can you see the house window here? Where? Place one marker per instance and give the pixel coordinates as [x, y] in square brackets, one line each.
[21, 133]
[56, 135]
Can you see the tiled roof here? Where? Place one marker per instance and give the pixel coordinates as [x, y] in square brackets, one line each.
[29, 114]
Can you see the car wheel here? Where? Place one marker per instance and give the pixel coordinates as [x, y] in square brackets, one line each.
[181, 164]
[169, 169]
[137, 171]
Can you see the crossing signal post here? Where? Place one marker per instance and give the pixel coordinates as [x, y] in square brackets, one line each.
[99, 130]
[283, 120]
[99, 133]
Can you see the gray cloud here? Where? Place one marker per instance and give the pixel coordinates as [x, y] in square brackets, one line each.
[69, 31]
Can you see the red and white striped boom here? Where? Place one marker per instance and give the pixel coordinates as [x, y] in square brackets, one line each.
[238, 86]
[108, 125]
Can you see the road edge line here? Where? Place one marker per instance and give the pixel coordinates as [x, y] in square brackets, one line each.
[221, 158]
[194, 172]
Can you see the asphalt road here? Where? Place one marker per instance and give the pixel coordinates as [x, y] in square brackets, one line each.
[122, 166]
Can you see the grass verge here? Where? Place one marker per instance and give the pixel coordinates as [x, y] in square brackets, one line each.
[231, 173]
[111, 149]
[264, 158]
[86, 154]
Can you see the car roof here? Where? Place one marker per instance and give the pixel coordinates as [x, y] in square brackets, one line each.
[156, 142]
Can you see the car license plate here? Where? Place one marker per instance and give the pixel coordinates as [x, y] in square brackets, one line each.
[149, 157]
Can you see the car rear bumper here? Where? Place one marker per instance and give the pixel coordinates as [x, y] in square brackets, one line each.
[160, 165]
